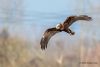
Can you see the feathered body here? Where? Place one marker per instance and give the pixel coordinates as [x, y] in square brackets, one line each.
[61, 27]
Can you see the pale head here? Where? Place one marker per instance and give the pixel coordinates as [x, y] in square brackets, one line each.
[59, 26]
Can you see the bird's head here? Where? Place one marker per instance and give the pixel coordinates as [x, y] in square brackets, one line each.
[85, 17]
[59, 26]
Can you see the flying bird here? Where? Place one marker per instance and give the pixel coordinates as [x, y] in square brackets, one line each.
[61, 27]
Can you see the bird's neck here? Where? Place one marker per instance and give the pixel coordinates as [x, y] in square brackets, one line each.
[62, 27]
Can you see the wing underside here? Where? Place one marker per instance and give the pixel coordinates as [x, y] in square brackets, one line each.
[70, 20]
[46, 37]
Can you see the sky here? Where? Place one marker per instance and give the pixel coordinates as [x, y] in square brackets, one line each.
[54, 6]
[29, 15]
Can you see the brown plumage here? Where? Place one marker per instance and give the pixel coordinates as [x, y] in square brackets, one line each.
[61, 27]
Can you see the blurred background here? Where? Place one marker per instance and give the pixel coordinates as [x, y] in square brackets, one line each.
[23, 22]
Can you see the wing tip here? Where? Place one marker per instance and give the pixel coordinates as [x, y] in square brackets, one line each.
[43, 47]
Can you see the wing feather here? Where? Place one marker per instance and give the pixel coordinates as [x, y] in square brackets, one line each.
[71, 19]
[46, 37]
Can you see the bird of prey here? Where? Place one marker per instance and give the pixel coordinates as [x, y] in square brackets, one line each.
[61, 27]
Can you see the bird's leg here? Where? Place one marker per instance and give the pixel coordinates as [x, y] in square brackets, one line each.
[70, 31]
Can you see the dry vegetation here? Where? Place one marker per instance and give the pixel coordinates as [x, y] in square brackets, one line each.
[17, 52]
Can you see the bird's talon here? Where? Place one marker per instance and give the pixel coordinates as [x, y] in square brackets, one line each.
[73, 33]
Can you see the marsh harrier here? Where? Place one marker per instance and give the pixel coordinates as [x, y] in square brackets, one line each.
[61, 27]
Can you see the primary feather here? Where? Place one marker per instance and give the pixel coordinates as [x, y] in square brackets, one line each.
[70, 20]
[46, 37]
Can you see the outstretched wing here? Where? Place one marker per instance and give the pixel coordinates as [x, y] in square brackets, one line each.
[46, 37]
[71, 19]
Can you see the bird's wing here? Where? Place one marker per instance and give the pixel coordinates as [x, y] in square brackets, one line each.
[71, 19]
[46, 37]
